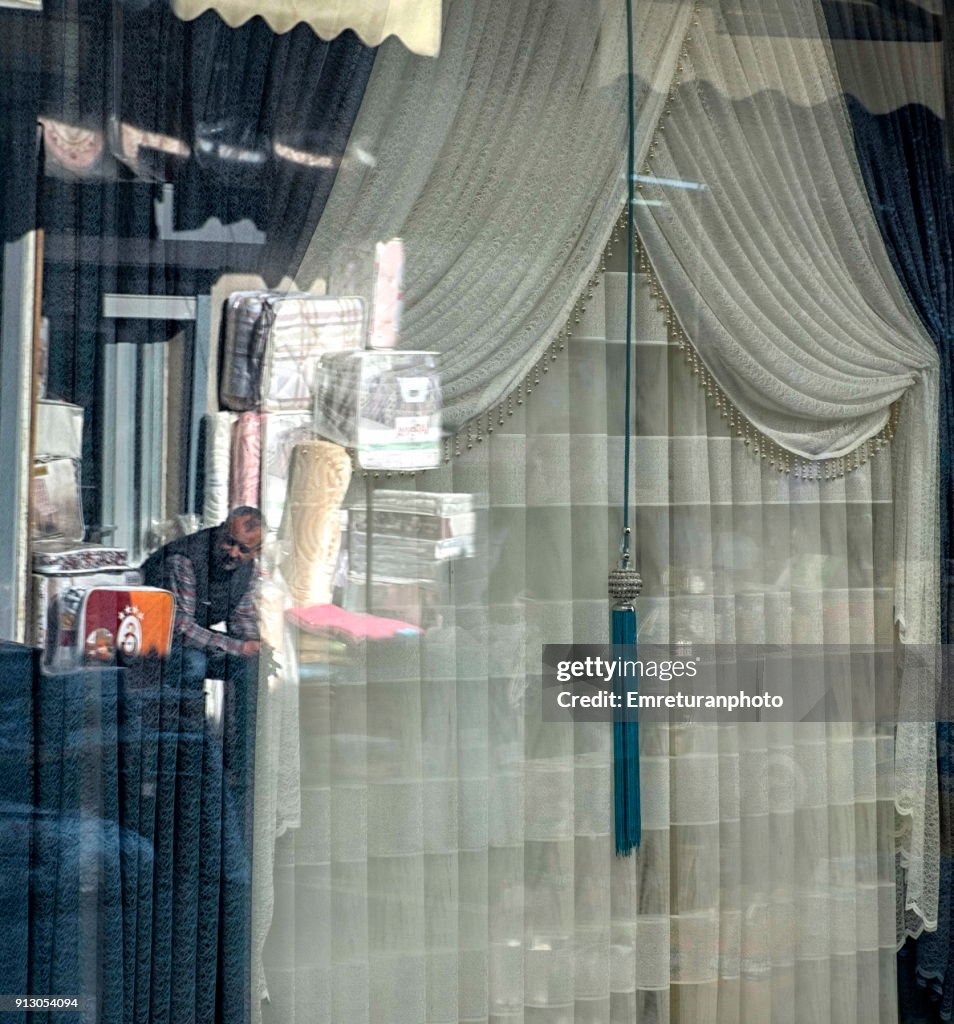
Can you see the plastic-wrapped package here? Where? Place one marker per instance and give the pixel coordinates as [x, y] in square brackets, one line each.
[246, 460]
[51, 585]
[273, 341]
[243, 351]
[406, 558]
[56, 500]
[59, 430]
[261, 454]
[414, 533]
[385, 404]
[56, 556]
[443, 524]
[281, 431]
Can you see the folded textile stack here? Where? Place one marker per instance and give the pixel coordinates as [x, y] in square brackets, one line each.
[281, 431]
[217, 432]
[61, 566]
[414, 534]
[56, 495]
[325, 634]
[417, 602]
[328, 620]
[53, 556]
[321, 650]
[273, 341]
[385, 404]
[422, 526]
[311, 525]
[262, 444]
[64, 567]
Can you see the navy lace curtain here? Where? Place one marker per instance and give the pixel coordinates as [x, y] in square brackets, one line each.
[905, 163]
[905, 158]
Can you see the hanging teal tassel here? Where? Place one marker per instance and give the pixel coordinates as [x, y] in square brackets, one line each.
[624, 587]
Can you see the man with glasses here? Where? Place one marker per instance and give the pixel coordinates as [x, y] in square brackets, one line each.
[212, 574]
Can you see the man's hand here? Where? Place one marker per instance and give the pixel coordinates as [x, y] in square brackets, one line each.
[250, 647]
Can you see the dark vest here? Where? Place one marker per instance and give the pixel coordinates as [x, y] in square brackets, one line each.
[217, 592]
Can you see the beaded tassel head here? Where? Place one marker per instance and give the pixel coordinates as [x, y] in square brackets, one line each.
[624, 585]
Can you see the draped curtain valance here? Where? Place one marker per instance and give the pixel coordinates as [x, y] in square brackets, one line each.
[417, 23]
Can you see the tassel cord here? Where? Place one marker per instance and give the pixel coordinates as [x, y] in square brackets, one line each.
[630, 278]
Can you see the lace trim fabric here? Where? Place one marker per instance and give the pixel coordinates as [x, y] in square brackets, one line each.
[759, 444]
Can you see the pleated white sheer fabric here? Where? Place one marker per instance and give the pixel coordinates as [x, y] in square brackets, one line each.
[776, 269]
[417, 23]
[455, 857]
[501, 164]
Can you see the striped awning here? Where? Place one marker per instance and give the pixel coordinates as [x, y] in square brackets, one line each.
[417, 23]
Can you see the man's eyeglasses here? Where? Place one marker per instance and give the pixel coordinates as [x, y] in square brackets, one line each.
[231, 542]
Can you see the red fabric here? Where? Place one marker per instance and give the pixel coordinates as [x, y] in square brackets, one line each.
[330, 619]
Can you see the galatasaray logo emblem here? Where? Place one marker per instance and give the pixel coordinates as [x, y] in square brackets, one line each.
[129, 637]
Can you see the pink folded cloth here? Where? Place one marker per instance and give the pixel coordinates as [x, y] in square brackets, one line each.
[245, 475]
[329, 619]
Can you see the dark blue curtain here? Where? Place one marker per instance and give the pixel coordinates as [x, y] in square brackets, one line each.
[16, 817]
[126, 842]
[904, 162]
[905, 159]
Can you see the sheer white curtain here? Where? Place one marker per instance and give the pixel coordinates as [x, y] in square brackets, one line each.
[775, 266]
[455, 858]
[766, 877]
[510, 143]
[501, 165]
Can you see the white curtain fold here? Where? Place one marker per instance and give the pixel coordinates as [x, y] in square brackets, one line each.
[417, 23]
[501, 164]
[776, 269]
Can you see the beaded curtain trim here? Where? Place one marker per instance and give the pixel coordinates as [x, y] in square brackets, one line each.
[755, 441]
